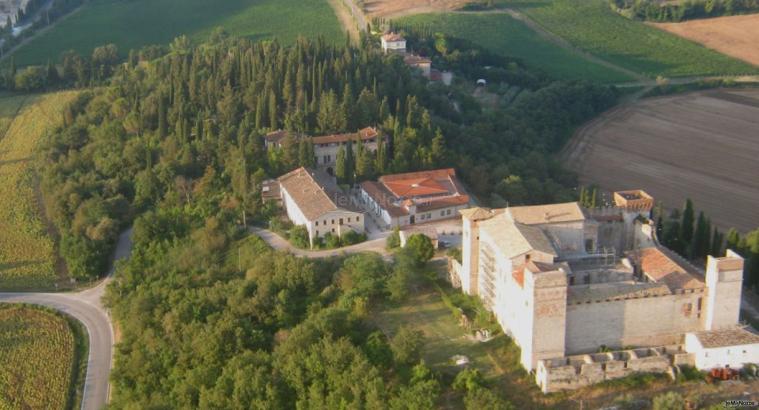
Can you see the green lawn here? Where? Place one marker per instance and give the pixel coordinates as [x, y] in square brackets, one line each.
[505, 35]
[135, 23]
[594, 27]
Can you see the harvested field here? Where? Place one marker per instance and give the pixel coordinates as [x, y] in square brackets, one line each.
[397, 8]
[702, 145]
[736, 36]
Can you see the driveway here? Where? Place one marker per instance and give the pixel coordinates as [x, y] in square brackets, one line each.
[86, 306]
[281, 244]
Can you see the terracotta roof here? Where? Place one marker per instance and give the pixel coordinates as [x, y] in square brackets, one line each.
[432, 204]
[364, 134]
[422, 183]
[393, 37]
[383, 197]
[514, 239]
[479, 214]
[660, 265]
[614, 291]
[545, 214]
[315, 193]
[735, 336]
[413, 59]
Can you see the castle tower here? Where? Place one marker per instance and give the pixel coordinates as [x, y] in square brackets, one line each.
[470, 246]
[724, 279]
[547, 295]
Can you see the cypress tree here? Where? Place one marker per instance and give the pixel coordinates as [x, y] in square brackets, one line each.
[340, 168]
[686, 224]
[697, 245]
[350, 162]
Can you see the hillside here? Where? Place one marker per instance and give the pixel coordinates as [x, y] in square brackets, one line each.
[136, 23]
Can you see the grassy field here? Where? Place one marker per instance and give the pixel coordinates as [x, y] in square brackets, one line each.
[592, 26]
[26, 252]
[505, 35]
[39, 355]
[135, 23]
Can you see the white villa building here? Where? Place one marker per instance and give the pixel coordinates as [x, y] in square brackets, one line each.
[416, 197]
[312, 199]
[393, 42]
[566, 282]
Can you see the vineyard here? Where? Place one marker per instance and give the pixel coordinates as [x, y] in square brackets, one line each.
[37, 352]
[137, 23]
[502, 34]
[27, 255]
[592, 26]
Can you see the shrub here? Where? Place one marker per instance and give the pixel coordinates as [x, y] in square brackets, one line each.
[669, 401]
[394, 240]
[352, 238]
[298, 236]
[331, 241]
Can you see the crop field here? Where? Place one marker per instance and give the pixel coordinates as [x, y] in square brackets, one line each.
[701, 145]
[37, 352]
[736, 36]
[26, 251]
[592, 26]
[136, 23]
[503, 34]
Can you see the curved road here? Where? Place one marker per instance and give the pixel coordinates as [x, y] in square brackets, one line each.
[86, 307]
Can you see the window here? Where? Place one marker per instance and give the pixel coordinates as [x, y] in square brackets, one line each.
[317, 232]
[358, 219]
[442, 213]
[571, 281]
[448, 212]
[333, 230]
[349, 219]
[341, 221]
[333, 222]
[317, 223]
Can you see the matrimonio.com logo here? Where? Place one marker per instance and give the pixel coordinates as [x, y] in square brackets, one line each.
[735, 404]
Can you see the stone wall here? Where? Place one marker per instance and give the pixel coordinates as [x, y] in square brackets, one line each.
[644, 321]
[574, 372]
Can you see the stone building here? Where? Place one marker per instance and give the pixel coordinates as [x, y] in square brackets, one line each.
[566, 282]
[326, 147]
[312, 199]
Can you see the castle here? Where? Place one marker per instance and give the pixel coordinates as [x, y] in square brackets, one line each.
[590, 295]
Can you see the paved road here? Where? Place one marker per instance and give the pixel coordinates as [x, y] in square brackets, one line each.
[86, 307]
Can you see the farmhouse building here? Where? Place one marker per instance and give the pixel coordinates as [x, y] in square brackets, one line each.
[393, 42]
[423, 64]
[312, 199]
[415, 197]
[326, 147]
[565, 281]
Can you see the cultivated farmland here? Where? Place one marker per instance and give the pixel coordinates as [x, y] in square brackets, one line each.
[503, 34]
[736, 36]
[592, 26]
[701, 145]
[136, 23]
[37, 352]
[26, 251]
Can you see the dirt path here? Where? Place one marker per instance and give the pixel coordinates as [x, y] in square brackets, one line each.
[349, 24]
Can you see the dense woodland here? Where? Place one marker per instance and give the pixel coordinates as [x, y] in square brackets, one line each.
[657, 10]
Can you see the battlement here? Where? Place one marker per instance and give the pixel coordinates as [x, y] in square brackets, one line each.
[574, 372]
[634, 200]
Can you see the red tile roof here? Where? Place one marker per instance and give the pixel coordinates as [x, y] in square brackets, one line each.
[393, 37]
[422, 183]
[661, 266]
[367, 133]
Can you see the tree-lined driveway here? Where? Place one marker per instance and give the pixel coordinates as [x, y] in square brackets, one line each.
[86, 307]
